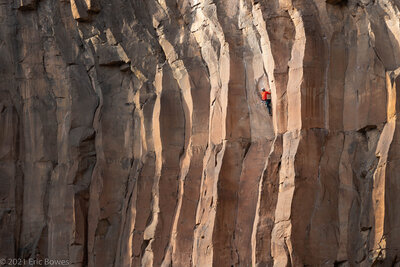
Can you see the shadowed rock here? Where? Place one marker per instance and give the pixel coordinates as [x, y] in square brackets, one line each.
[132, 133]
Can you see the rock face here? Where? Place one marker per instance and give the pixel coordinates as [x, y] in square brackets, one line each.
[132, 132]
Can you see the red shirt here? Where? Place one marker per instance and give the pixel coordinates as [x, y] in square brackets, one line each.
[265, 95]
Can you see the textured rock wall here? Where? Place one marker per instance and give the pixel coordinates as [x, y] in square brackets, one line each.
[132, 132]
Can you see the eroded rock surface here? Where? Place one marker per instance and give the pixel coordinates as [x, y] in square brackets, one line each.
[132, 132]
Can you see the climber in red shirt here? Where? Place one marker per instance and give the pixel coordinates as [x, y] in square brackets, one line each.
[266, 98]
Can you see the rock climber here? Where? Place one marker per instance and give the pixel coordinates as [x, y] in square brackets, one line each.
[266, 98]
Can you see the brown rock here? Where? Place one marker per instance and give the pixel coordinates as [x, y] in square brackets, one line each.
[79, 10]
[27, 4]
[138, 138]
[335, 2]
[93, 5]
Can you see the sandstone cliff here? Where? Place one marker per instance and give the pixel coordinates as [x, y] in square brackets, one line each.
[132, 132]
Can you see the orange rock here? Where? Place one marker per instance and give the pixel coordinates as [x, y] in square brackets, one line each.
[132, 133]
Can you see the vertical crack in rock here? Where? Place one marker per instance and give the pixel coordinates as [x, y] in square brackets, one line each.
[132, 132]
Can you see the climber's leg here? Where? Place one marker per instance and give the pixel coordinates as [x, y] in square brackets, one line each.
[268, 103]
